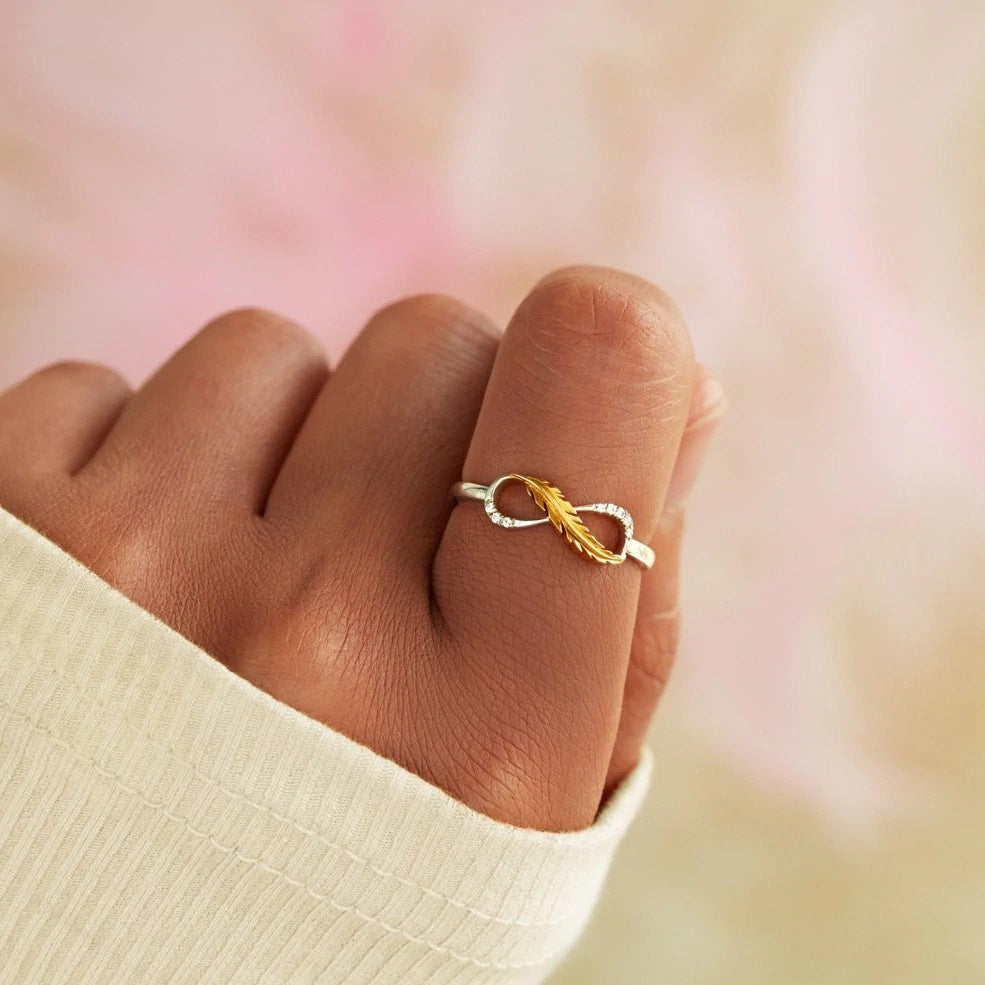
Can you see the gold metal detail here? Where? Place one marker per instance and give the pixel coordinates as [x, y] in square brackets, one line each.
[564, 518]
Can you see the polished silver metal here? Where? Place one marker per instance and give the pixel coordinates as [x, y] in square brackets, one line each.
[635, 549]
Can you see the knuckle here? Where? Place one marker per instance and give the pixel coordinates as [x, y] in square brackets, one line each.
[80, 373]
[254, 328]
[618, 316]
[136, 556]
[503, 771]
[521, 750]
[501, 784]
[126, 555]
[437, 321]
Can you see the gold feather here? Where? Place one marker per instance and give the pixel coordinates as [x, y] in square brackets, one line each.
[565, 519]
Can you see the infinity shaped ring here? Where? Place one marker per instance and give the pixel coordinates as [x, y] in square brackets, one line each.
[562, 516]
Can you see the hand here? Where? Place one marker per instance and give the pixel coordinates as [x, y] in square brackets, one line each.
[295, 523]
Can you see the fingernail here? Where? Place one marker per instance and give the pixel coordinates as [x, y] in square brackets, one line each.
[707, 408]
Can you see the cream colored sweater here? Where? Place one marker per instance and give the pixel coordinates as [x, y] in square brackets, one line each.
[162, 820]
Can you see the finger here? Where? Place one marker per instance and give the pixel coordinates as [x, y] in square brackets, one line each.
[655, 638]
[590, 390]
[707, 407]
[654, 647]
[219, 416]
[386, 438]
[54, 420]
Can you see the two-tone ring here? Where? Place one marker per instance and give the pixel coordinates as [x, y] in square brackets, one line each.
[562, 516]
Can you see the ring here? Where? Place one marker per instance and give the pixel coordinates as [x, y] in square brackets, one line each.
[562, 516]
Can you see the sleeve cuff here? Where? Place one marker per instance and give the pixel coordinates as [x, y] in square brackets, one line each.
[163, 820]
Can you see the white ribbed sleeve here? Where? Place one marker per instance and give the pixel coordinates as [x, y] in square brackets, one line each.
[162, 820]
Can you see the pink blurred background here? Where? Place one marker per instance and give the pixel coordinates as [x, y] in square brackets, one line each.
[806, 180]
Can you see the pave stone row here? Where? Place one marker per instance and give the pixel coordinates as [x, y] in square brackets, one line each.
[609, 509]
[616, 512]
[497, 517]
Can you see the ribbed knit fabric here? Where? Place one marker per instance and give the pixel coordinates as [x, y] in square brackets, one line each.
[162, 820]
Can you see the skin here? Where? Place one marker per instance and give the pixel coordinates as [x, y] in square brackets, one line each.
[295, 523]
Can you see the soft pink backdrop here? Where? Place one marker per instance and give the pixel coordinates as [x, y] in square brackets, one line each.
[804, 178]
